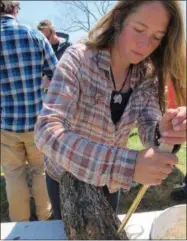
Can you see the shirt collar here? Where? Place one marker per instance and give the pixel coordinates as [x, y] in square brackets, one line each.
[8, 15]
[62, 40]
[103, 59]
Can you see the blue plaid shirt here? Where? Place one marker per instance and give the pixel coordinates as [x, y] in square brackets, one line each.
[25, 56]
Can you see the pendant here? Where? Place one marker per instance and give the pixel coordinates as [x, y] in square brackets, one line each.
[117, 98]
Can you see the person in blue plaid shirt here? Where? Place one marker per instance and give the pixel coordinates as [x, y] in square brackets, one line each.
[26, 56]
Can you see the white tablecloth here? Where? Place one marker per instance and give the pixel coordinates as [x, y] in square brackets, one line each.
[138, 227]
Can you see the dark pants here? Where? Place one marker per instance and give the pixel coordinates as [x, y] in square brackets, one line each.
[54, 195]
[185, 181]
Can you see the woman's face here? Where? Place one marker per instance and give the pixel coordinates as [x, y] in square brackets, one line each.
[143, 32]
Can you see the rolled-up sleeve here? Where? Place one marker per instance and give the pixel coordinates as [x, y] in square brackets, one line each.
[94, 163]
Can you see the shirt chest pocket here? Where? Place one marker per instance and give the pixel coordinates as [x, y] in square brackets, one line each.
[95, 105]
[94, 97]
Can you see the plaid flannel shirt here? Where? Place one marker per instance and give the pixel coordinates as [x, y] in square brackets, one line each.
[75, 129]
[25, 55]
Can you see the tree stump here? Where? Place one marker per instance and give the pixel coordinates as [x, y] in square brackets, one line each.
[86, 213]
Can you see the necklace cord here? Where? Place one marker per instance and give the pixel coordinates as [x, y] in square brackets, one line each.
[126, 77]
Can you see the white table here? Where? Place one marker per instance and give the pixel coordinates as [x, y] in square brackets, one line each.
[138, 227]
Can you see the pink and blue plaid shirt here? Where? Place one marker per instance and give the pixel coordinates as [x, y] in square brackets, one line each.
[75, 130]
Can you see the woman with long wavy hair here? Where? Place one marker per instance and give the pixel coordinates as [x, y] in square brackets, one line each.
[102, 87]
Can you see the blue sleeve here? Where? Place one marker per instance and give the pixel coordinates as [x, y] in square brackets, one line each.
[50, 60]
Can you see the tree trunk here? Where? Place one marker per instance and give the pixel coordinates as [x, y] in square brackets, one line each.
[86, 213]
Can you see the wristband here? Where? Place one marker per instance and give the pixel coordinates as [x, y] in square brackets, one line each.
[176, 147]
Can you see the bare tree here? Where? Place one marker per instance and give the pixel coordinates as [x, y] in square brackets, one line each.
[81, 15]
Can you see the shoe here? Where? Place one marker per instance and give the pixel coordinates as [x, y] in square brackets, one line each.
[179, 194]
[33, 217]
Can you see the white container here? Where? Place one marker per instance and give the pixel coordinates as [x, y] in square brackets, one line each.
[170, 224]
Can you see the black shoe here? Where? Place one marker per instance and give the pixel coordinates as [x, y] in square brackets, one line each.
[179, 194]
[33, 217]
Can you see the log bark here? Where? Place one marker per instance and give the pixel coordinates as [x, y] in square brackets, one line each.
[86, 213]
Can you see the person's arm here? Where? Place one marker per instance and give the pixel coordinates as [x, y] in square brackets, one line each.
[149, 124]
[91, 162]
[46, 81]
[50, 60]
[148, 121]
[152, 165]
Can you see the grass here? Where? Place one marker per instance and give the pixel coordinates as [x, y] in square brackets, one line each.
[156, 198]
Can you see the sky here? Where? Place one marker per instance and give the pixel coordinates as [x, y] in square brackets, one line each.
[32, 12]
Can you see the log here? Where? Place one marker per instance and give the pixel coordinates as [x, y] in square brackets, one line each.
[86, 213]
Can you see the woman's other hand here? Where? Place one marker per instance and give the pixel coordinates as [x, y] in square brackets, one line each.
[173, 126]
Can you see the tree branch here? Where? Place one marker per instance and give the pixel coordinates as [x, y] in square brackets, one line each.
[98, 9]
[84, 16]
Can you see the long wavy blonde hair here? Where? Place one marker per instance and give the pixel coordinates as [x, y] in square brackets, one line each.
[168, 60]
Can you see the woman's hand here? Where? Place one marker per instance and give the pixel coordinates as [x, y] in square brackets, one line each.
[153, 166]
[173, 126]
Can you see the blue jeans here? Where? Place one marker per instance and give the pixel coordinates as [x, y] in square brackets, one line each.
[54, 195]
